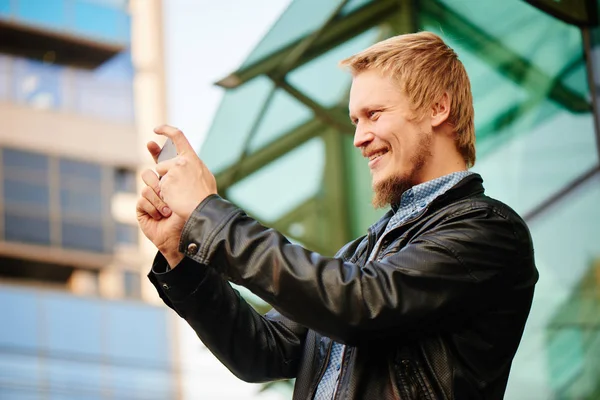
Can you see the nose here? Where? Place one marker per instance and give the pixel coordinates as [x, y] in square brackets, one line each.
[362, 136]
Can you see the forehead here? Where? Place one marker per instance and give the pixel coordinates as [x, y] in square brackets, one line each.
[372, 87]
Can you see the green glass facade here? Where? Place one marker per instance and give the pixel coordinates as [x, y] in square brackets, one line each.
[281, 147]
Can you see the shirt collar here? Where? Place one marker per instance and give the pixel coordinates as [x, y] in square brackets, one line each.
[421, 195]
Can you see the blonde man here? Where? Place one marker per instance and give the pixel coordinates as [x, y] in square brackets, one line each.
[430, 304]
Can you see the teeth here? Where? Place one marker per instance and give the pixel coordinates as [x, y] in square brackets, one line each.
[374, 156]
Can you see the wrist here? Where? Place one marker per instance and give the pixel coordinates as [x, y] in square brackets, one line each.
[173, 258]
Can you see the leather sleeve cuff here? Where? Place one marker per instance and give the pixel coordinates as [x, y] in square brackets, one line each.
[203, 225]
[180, 282]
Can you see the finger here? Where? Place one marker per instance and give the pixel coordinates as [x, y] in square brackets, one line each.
[163, 167]
[151, 179]
[144, 206]
[181, 143]
[149, 194]
[154, 150]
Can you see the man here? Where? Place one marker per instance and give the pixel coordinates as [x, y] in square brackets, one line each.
[430, 304]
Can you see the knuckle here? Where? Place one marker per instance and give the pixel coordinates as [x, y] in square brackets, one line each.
[147, 192]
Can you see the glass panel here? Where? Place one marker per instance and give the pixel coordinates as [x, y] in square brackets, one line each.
[543, 158]
[20, 322]
[561, 337]
[102, 98]
[5, 8]
[353, 5]
[23, 393]
[26, 229]
[300, 19]
[19, 371]
[71, 380]
[38, 84]
[50, 13]
[132, 284]
[74, 326]
[5, 77]
[232, 123]
[140, 383]
[298, 176]
[532, 34]
[284, 114]
[26, 194]
[83, 237]
[321, 80]
[125, 181]
[137, 333]
[12, 158]
[86, 206]
[96, 19]
[78, 169]
[127, 234]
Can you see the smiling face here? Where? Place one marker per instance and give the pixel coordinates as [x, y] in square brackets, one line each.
[397, 145]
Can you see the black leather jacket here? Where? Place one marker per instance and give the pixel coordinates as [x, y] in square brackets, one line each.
[438, 314]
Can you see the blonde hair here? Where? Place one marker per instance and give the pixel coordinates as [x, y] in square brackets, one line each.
[425, 68]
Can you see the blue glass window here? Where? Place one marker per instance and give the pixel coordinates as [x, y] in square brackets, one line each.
[125, 181]
[84, 205]
[73, 326]
[50, 13]
[20, 321]
[131, 284]
[101, 21]
[83, 237]
[78, 169]
[20, 193]
[38, 84]
[20, 228]
[126, 233]
[134, 331]
[73, 380]
[12, 158]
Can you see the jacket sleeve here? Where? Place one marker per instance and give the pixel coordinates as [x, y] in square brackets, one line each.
[452, 270]
[253, 347]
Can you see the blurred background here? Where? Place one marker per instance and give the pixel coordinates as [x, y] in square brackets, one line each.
[256, 87]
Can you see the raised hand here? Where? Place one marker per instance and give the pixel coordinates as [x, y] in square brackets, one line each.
[185, 181]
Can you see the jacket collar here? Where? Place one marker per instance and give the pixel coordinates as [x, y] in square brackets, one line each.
[470, 185]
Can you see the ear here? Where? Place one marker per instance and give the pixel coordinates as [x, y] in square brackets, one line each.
[440, 111]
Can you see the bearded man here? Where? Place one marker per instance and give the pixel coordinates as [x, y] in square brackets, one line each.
[430, 304]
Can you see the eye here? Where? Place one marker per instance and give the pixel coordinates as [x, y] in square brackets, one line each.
[373, 114]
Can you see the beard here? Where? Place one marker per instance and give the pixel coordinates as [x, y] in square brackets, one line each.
[389, 191]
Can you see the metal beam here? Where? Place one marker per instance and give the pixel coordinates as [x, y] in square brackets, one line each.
[515, 112]
[331, 116]
[577, 182]
[593, 78]
[502, 58]
[268, 153]
[338, 32]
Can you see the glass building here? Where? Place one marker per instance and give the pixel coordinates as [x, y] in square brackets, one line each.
[281, 148]
[75, 323]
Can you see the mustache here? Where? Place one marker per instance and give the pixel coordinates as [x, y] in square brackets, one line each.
[368, 150]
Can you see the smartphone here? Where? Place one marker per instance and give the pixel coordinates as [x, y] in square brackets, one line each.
[167, 152]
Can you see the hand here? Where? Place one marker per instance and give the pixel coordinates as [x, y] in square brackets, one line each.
[185, 181]
[157, 221]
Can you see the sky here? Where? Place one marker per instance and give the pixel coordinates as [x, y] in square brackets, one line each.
[205, 41]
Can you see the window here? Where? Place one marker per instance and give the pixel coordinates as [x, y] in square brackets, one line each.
[125, 181]
[127, 234]
[131, 284]
[83, 237]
